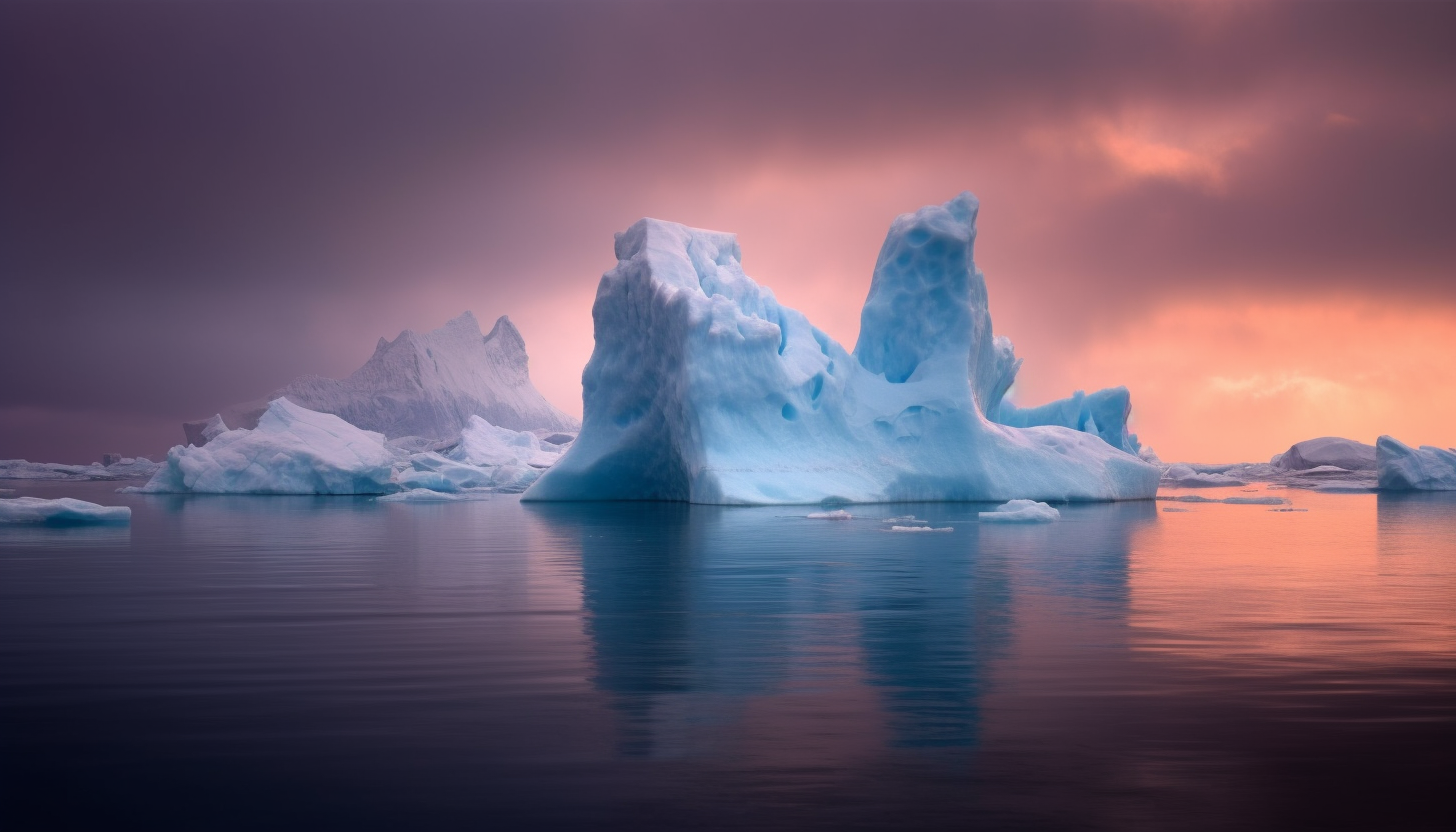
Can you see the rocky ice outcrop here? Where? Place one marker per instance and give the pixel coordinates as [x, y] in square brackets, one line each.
[702, 387]
[426, 385]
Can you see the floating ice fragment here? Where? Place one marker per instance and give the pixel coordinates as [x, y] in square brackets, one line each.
[1172, 509]
[425, 495]
[1021, 511]
[293, 450]
[35, 511]
[921, 529]
[837, 514]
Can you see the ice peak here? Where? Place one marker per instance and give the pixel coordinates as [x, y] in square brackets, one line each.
[505, 334]
[927, 299]
[465, 321]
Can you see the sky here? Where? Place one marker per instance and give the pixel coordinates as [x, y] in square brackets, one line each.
[1243, 212]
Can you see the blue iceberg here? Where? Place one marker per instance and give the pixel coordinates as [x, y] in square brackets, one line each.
[704, 388]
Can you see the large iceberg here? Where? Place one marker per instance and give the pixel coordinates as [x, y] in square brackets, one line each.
[426, 385]
[293, 450]
[66, 511]
[703, 387]
[1403, 468]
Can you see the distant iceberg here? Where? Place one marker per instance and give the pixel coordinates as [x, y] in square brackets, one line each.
[1403, 468]
[35, 511]
[293, 450]
[1334, 451]
[703, 388]
[123, 468]
[426, 385]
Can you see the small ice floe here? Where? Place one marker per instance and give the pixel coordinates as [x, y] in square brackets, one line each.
[426, 495]
[1281, 509]
[35, 511]
[1173, 509]
[1186, 476]
[909, 518]
[1233, 501]
[837, 514]
[921, 529]
[1021, 511]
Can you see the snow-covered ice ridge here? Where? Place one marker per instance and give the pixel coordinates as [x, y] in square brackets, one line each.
[703, 387]
[426, 385]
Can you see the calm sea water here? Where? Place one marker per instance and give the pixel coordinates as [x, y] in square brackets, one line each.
[313, 663]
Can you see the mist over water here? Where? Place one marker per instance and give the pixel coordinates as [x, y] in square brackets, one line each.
[314, 662]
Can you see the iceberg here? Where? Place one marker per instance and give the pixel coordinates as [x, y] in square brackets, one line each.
[702, 387]
[1403, 468]
[1181, 475]
[126, 468]
[1021, 511]
[293, 450]
[424, 385]
[36, 511]
[1326, 451]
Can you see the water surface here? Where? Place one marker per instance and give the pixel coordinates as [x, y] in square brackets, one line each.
[241, 663]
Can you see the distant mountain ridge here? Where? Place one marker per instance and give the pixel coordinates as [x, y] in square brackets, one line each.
[423, 384]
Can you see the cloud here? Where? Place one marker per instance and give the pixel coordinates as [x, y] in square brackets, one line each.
[185, 224]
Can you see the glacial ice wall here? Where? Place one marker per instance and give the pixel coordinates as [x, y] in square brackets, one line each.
[703, 388]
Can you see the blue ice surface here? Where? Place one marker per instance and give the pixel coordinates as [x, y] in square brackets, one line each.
[704, 388]
[1403, 468]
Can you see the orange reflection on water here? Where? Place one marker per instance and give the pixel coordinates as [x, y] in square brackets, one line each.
[1354, 579]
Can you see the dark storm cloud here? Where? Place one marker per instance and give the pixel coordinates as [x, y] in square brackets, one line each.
[186, 187]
